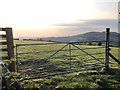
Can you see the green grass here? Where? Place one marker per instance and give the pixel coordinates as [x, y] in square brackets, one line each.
[86, 79]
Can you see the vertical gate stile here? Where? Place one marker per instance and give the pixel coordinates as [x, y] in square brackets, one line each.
[70, 54]
[16, 58]
[107, 37]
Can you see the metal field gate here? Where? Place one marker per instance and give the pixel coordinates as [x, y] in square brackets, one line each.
[49, 59]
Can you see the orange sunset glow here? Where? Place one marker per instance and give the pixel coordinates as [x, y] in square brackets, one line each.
[42, 18]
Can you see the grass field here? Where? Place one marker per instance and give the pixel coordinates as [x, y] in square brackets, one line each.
[43, 61]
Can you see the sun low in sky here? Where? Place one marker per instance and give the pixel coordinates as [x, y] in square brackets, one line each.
[41, 18]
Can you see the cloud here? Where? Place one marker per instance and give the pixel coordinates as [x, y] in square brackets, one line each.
[90, 25]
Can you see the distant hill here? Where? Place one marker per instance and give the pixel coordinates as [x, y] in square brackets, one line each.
[85, 37]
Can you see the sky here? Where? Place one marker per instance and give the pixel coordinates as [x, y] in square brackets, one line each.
[45, 18]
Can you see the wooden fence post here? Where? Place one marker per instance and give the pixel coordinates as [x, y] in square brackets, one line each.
[107, 38]
[10, 47]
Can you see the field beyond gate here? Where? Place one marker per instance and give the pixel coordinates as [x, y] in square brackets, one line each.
[49, 59]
